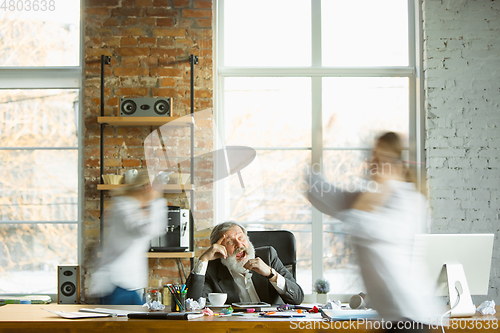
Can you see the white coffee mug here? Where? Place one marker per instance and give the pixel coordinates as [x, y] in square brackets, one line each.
[163, 177]
[130, 176]
[357, 301]
[217, 299]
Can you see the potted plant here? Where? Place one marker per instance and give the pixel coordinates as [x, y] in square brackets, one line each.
[321, 287]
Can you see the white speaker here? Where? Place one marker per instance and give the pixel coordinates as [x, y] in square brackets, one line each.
[68, 282]
[146, 107]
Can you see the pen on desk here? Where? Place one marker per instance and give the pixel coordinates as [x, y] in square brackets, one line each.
[248, 310]
[284, 316]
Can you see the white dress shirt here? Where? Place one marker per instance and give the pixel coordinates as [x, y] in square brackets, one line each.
[384, 243]
[124, 263]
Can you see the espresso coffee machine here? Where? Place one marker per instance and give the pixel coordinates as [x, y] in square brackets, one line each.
[176, 238]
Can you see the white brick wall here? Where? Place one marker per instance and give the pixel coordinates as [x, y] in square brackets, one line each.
[462, 91]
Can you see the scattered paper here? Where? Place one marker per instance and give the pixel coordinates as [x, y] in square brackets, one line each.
[34, 299]
[78, 315]
[195, 315]
[113, 312]
[348, 314]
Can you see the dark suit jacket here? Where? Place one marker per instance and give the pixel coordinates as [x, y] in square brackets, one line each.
[218, 280]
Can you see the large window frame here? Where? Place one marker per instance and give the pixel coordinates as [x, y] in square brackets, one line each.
[54, 77]
[316, 72]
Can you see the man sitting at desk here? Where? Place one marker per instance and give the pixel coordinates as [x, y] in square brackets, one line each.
[226, 268]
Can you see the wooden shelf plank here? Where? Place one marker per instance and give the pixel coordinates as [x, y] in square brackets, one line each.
[170, 254]
[178, 187]
[146, 121]
[167, 188]
[163, 255]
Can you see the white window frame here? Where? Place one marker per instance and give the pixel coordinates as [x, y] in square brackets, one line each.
[416, 109]
[54, 77]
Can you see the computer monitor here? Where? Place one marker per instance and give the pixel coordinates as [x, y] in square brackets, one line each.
[459, 264]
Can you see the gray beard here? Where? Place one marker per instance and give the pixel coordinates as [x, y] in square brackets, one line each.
[237, 266]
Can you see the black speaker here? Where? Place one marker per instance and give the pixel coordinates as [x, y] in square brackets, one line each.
[68, 282]
[146, 107]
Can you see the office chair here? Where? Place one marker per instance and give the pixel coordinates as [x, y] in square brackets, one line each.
[283, 242]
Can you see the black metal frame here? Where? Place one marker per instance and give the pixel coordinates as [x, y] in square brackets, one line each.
[193, 60]
[106, 60]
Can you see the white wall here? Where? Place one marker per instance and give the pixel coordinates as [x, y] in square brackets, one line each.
[462, 91]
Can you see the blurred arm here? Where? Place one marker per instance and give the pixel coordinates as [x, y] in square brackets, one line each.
[327, 198]
[141, 222]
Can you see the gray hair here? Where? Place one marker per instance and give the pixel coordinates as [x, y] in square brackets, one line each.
[220, 229]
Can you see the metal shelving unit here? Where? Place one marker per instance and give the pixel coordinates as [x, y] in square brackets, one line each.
[151, 121]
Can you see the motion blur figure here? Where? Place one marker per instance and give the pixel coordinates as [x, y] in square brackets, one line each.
[383, 222]
[137, 215]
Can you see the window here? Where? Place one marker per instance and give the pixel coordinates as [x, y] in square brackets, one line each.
[40, 81]
[306, 81]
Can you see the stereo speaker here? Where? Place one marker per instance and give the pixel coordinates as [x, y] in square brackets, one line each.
[146, 107]
[68, 282]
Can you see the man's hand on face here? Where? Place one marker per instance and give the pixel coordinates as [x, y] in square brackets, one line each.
[258, 266]
[217, 250]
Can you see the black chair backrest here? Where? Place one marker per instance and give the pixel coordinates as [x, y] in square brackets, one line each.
[283, 242]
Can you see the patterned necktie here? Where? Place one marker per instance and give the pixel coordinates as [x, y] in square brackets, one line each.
[248, 279]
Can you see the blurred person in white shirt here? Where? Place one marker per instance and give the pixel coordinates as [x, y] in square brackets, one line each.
[383, 220]
[137, 214]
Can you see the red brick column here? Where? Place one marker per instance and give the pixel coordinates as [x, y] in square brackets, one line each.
[149, 42]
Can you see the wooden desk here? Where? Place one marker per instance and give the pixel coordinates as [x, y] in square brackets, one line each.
[17, 318]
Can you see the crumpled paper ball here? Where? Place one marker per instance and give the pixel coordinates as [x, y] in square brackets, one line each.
[192, 305]
[487, 308]
[155, 306]
[334, 305]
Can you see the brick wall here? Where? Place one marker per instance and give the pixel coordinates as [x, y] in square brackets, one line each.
[462, 86]
[149, 42]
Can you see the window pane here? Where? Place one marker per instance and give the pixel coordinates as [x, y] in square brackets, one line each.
[268, 112]
[267, 33]
[357, 110]
[340, 266]
[303, 239]
[38, 118]
[48, 36]
[30, 253]
[364, 33]
[274, 193]
[38, 185]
